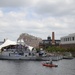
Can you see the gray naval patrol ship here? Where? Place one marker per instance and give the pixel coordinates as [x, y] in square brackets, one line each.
[23, 52]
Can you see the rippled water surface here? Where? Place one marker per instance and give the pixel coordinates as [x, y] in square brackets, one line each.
[21, 67]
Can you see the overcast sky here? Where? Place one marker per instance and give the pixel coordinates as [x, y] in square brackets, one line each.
[36, 17]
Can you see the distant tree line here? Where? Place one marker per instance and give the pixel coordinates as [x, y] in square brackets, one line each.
[59, 49]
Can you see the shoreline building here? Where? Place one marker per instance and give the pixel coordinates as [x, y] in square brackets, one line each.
[49, 42]
[68, 41]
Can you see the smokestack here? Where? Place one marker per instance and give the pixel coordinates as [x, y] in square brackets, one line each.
[53, 39]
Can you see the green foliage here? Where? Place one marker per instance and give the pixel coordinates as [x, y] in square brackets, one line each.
[55, 49]
[37, 49]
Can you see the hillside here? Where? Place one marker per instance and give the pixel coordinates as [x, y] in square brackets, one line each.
[30, 39]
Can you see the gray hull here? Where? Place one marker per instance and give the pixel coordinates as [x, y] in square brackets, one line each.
[29, 58]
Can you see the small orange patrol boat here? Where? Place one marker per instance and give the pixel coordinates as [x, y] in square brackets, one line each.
[48, 64]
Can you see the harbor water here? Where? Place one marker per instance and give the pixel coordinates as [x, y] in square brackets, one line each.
[21, 67]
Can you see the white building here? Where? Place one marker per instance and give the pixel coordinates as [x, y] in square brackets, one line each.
[68, 41]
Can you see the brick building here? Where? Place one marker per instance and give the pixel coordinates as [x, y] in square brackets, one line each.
[49, 42]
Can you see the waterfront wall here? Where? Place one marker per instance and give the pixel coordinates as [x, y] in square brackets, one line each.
[67, 45]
